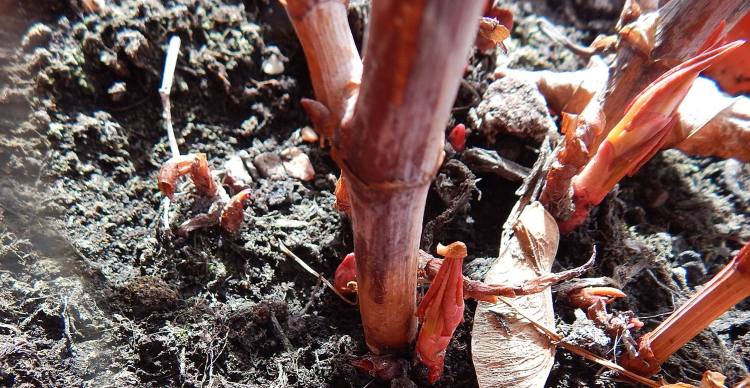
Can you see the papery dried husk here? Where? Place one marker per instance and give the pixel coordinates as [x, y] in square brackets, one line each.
[517, 354]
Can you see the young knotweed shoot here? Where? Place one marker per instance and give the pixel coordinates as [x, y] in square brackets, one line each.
[729, 287]
[441, 310]
[652, 37]
[639, 135]
[384, 118]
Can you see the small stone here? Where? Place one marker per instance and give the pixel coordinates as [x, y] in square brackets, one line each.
[236, 169]
[297, 164]
[38, 35]
[116, 91]
[269, 165]
[273, 65]
[659, 198]
[309, 135]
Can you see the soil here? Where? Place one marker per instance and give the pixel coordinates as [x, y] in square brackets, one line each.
[95, 291]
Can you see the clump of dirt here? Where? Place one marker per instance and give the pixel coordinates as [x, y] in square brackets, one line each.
[95, 288]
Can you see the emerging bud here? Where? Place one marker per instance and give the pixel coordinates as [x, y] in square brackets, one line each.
[457, 137]
[641, 132]
[345, 279]
[441, 310]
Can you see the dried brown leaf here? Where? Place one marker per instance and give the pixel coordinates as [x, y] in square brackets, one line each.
[493, 30]
[507, 350]
[710, 380]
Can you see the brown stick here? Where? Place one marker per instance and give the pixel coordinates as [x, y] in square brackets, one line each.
[730, 286]
[392, 147]
[478, 290]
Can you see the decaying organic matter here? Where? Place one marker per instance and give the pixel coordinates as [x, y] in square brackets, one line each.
[193, 164]
[507, 350]
[730, 286]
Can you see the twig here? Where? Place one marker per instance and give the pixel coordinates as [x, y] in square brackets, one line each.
[313, 272]
[553, 33]
[65, 315]
[166, 86]
[280, 333]
[482, 160]
[429, 266]
[312, 297]
[557, 338]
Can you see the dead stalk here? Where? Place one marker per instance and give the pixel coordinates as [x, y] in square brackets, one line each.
[166, 88]
[390, 146]
[173, 51]
[730, 286]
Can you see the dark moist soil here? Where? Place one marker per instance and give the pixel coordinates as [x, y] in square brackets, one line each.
[94, 291]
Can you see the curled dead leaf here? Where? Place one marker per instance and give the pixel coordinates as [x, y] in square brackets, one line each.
[710, 380]
[507, 350]
[493, 30]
